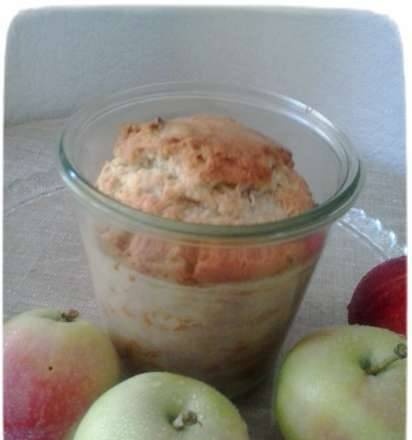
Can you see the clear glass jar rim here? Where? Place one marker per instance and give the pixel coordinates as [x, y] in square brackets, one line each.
[323, 214]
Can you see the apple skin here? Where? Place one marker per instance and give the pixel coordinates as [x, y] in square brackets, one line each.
[323, 391]
[380, 297]
[145, 407]
[53, 371]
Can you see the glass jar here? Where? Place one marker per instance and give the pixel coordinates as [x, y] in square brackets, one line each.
[212, 302]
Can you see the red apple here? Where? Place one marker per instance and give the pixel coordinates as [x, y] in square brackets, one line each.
[55, 366]
[380, 297]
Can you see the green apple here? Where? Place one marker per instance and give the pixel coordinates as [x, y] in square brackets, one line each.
[343, 383]
[162, 406]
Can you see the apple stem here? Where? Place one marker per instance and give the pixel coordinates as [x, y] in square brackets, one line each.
[399, 353]
[184, 419]
[69, 316]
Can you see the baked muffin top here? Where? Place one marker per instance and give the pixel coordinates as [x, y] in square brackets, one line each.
[204, 169]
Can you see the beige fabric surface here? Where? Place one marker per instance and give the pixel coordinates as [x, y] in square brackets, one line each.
[44, 263]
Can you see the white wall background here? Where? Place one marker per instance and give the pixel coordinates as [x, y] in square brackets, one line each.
[347, 64]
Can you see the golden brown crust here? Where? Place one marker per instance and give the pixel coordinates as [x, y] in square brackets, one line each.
[210, 149]
[203, 169]
[204, 265]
